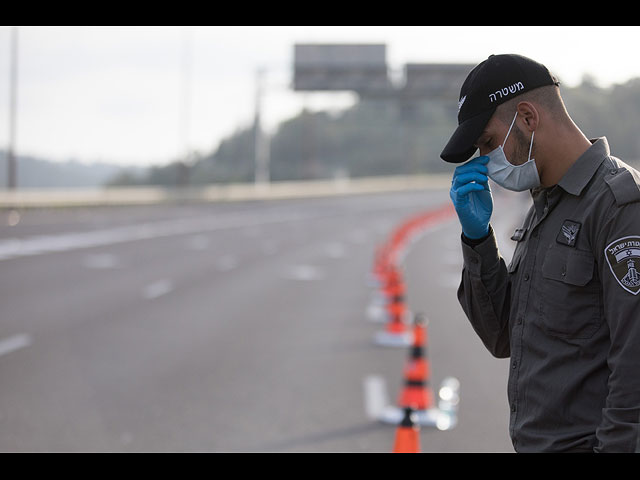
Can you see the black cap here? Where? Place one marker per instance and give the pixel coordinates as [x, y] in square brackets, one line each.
[496, 80]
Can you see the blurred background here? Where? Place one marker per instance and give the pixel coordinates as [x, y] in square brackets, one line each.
[189, 218]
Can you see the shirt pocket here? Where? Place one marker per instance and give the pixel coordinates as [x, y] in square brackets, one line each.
[570, 296]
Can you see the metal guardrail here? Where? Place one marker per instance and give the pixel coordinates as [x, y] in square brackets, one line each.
[31, 198]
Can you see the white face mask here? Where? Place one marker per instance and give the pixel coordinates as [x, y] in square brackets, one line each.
[512, 177]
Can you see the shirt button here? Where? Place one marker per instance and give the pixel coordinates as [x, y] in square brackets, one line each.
[519, 320]
[514, 364]
[513, 408]
[614, 171]
[526, 277]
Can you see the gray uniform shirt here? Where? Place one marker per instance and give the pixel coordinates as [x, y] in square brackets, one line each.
[566, 311]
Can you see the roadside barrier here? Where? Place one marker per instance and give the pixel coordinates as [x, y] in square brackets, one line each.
[155, 195]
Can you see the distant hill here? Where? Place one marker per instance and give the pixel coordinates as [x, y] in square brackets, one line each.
[40, 173]
[373, 137]
[378, 137]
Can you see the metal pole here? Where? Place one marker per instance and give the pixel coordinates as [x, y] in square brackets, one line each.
[184, 151]
[13, 86]
[187, 47]
[261, 142]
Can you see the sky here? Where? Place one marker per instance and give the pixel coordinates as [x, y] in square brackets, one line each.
[150, 95]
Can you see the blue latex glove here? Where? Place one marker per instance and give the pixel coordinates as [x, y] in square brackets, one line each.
[471, 197]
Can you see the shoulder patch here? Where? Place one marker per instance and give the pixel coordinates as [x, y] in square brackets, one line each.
[624, 184]
[623, 257]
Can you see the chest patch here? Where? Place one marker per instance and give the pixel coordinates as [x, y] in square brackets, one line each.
[568, 234]
[623, 257]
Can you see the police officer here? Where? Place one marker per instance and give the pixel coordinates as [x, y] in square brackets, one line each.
[566, 310]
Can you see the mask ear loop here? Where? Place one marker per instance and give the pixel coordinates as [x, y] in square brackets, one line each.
[509, 131]
[531, 145]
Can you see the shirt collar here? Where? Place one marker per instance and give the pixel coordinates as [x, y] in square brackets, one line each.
[583, 169]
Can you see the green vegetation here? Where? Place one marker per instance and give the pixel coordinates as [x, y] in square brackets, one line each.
[381, 137]
[374, 137]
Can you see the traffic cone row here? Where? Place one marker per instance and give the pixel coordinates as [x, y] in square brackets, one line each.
[416, 402]
[416, 398]
[392, 290]
[396, 332]
[389, 279]
[390, 253]
[417, 392]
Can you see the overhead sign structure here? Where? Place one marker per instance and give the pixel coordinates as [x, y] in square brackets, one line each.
[434, 80]
[335, 67]
[362, 68]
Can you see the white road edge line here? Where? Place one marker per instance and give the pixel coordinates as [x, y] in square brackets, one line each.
[375, 396]
[304, 273]
[15, 342]
[64, 242]
[157, 289]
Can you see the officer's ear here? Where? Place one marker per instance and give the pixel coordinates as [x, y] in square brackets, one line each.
[528, 116]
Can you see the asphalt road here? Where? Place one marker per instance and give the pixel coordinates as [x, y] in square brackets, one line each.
[238, 327]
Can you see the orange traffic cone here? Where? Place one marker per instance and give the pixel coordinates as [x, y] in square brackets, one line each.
[381, 265]
[396, 332]
[416, 392]
[420, 330]
[393, 285]
[407, 438]
[397, 310]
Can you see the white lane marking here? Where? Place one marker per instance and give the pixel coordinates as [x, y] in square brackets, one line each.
[39, 244]
[13, 218]
[101, 261]
[16, 342]
[375, 396]
[358, 237]
[226, 263]
[269, 247]
[376, 313]
[157, 289]
[304, 273]
[335, 250]
[197, 242]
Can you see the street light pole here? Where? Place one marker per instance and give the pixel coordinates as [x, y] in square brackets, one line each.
[13, 87]
[261, 141]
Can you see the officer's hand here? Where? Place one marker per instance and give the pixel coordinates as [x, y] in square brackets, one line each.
[471, 197]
